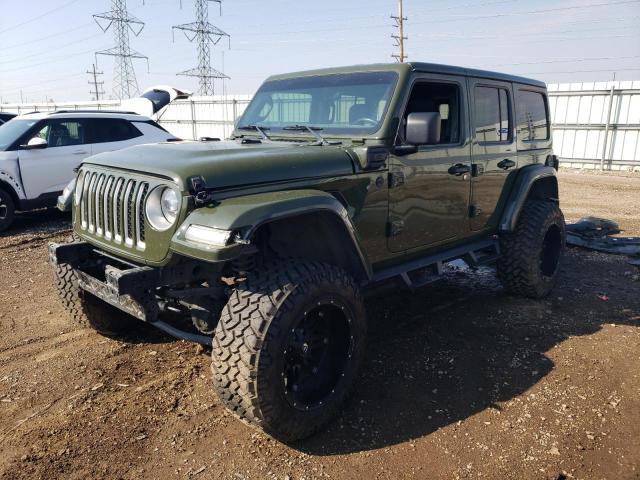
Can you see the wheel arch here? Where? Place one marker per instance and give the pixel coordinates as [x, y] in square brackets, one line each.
[6, 186]
[322, 234]
[311, 224]
[537, 182]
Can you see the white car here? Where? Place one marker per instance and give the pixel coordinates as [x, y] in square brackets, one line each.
[40, 151]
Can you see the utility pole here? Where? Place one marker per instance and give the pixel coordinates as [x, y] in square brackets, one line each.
[399, 37]
[97, 86]
[204, 34]
[125, 84]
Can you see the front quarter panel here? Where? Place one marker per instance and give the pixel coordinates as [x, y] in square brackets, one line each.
[244, 215]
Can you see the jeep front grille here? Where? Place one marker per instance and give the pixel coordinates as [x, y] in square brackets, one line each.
[112, 207]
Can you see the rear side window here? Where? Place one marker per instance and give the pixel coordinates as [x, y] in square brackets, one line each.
[492, 114]
[113, 130]
[533, 121]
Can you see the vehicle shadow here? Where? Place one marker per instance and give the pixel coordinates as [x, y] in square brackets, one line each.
[46, 221]
[462, 345]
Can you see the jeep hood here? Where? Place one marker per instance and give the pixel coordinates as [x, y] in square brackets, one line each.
[230, 163]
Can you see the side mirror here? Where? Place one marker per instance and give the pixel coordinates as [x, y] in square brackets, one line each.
[423, 128]
[36, 143]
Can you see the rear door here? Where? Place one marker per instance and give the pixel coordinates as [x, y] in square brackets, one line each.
[50, 169]
[494, 155]
[108, 134]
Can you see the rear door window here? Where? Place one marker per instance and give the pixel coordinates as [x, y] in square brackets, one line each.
[113, 130]
[491, 114]
[533, 119]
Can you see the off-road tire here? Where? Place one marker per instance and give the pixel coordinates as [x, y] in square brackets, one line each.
[532, 253]
[7, 210]
[86, 310]
[249, 342]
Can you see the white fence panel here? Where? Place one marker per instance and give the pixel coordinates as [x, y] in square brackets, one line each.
[597, 124]
[594, 124]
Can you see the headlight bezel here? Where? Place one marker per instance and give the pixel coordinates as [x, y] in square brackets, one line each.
[157, 216]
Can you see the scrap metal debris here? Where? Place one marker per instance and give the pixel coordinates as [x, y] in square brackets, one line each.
[595, 234]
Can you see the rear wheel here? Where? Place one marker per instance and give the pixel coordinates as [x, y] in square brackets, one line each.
[531, 254]
[7, 210]
[288, 347]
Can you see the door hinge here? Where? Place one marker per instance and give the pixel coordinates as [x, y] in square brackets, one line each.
[396, 179]
[474, 211]
[394, 227]
[477, 170]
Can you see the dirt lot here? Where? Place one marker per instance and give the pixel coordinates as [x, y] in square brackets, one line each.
[461, 380]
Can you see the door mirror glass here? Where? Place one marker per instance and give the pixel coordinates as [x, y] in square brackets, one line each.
[36, 143]
[423, 128]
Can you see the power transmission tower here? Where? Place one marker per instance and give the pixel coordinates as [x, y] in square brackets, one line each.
[97, 86]
[399, 37]
[204, 34]
[125, 84]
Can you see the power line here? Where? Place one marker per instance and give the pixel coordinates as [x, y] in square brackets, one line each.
[205, 35]
[97, 86]
[400, 36]
[125, 84]
[48, 12]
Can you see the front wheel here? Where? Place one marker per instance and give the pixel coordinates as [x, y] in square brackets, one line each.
[288, 347]
[531, 254]
[7, 210]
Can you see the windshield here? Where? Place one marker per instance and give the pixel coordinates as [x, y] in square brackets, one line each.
[352, 104]
[11, 131]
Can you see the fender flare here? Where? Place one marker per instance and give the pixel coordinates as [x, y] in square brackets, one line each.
[247, 214]
[520, 192]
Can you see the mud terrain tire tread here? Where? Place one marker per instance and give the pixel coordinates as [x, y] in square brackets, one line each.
[518, 267]
[251, 320]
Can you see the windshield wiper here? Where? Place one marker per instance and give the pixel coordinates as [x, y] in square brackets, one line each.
[311, 129]
[256, 128]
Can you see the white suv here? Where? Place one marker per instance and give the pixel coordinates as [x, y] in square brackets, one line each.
[40, 151]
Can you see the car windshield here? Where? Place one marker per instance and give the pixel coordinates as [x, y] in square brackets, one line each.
[11, 131]
[347, 104]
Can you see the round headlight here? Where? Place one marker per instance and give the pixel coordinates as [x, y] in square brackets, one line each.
[169, 204]
[162, 207]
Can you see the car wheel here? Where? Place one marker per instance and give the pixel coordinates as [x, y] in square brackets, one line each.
[531, 254]
[288, 347]
[7, 210]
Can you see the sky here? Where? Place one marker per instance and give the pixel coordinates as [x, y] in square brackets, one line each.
[47, 46]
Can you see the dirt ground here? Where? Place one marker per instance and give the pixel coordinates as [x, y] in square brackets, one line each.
[461, 380]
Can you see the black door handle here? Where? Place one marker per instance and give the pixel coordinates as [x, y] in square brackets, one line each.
[459, 169]
[506, 164]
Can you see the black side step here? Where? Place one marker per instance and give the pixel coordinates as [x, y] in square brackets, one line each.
[419, 272]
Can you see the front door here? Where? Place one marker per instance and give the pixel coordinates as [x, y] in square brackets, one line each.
[494, 149]
[50, 169]
[429, 189]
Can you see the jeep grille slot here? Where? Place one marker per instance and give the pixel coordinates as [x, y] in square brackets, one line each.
[112, 207]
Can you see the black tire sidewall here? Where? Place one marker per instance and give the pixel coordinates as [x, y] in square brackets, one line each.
[282, 415]
[546, 283]
[7, 199]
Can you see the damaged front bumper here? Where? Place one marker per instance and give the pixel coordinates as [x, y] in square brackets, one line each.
[136, 290]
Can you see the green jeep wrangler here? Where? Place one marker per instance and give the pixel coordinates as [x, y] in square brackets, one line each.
[333, 181]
